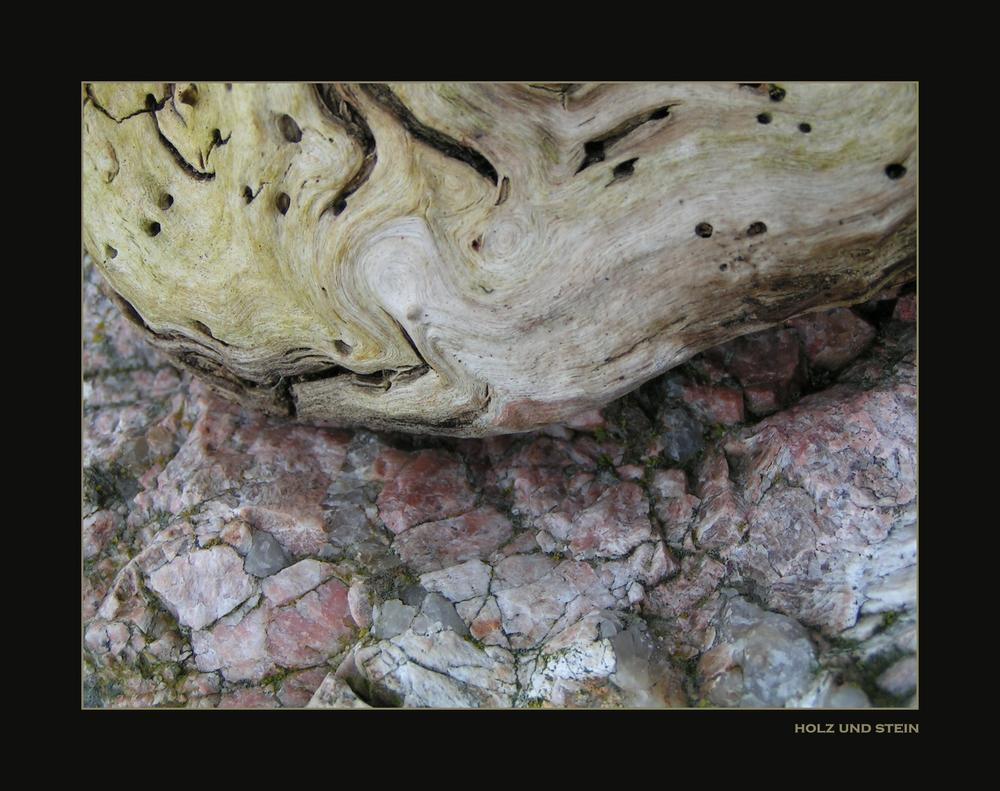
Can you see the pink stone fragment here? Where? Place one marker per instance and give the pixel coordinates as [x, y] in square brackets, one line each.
[292, 582]
[630, 472]
[248, 698]
[669, 483]
[721, 517]
[298, 532]
[97, 530]
[239, 650]
[592, 451]
[315, 627]
[553, 601]
[616, 523]
[298, 688]
[102, 637]
[160, 439]
[430, 486]
[699, 577]
[488, 622]
[148, 479]
[359, 603]
[202, 586]
[586, 421]
[199, 685]
[824, 484]
[762, 399]
[316, 454]
[238, 535]
[768, 357]
[389, 463]
[906, 308]
[715, 404]
[523, 543]
[437, 545]
[833, 338]
[538, 490]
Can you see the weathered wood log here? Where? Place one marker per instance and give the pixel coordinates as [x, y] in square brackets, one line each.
[475, 259]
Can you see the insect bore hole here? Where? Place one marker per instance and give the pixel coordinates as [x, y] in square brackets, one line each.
[189, 95]
[626, 168]
[289, 129]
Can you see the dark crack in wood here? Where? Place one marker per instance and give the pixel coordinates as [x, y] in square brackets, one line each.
[420, 131]
[596, 150]
[334, 102]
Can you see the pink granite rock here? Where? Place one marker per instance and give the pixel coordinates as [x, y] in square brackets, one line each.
[430, 486]
[464, 581]
[811, 513]
[334, 693]
[239, 649]
[297, 689]
[586, 421]
[202, 586]
[238, 535]
[98, 529]
[688, 604]
[197, 689]
[647, 565]
[767, 365]
[359, 603]
[668, 484]
[833, 338]
[248, 698]
[673, 506]
[827, 491]
[434, 545]
[715, 404]
[317, 626]
[631, 472]
[906, 308]
[721, 520]
[761, 658]
[614, 524]
[533, 610]
[294, 581]
[699, 577]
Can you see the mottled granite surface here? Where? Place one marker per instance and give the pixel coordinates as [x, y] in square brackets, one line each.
[738, 532]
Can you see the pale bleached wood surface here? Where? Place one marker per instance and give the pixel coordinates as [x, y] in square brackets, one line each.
[476, 259]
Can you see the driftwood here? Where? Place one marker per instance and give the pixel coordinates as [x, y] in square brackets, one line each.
[476, 259]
